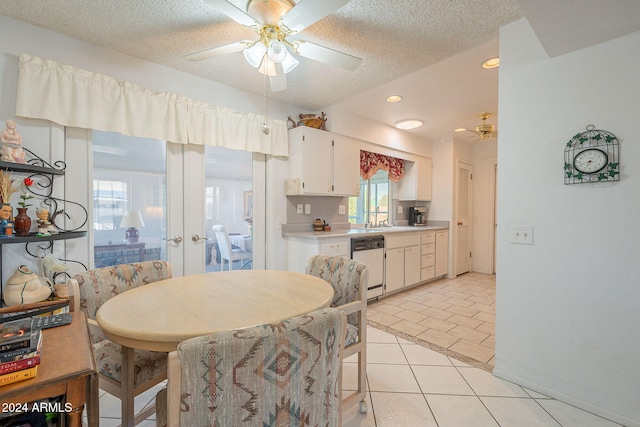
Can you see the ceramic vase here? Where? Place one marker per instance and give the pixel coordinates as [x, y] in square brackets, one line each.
[22, 222]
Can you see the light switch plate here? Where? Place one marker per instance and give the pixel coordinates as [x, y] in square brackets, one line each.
[299, 208]
[307, 209]
[400, 209]
[521, 234]
[341, 210]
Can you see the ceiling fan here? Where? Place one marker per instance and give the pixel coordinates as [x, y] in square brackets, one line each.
[274, 20]
[484, 131]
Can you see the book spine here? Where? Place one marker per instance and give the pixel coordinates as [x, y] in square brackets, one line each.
[18, 365]
[14, 377]
[15, 345]
[9, 356]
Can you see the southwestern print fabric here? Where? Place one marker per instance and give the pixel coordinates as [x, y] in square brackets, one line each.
[283, 374]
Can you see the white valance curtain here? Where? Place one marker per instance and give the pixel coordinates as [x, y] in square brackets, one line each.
[74, 97]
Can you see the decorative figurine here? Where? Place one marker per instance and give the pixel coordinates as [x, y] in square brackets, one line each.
[6, 224]
[12, 144]
[43, 222]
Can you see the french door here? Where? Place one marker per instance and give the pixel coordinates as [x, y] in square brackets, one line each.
[176, 192]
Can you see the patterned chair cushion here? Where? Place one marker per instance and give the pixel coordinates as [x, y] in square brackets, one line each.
[282, 374]
[147, 364]
[98, 286]
[344, 276]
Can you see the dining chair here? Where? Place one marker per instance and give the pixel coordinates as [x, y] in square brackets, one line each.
[93, 288]
[349, 280]
[227, 252]
[286, 373]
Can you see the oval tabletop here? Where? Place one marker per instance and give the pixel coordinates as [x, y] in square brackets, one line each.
[159, 315]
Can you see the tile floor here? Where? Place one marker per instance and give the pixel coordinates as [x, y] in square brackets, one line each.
[411, 385]
[455, 317]
[430, 353]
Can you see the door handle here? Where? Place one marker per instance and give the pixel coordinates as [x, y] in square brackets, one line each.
[176, 239]
[196, 238]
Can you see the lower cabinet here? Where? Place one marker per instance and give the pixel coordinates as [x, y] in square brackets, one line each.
[402, 261]
[442, 253]
[301, 249]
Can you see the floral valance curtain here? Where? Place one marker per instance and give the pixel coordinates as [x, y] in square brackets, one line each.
[370, 163]
[74, 97]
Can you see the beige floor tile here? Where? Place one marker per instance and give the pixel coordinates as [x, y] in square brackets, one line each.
[438, 338]
[472, 350]
[438, 324]
[456, 309]
[387, 308]
[487, 327]
[410, 328]
[460, 302]
[485, 317]
[438, 304]
[437, 313]
[413, 306]
[468, 334]
[384, 319]
[412, 316]
[489, 342]
[483, 308]
[465, 321]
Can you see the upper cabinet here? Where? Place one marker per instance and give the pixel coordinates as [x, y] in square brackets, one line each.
[416, 183]
[322, 163]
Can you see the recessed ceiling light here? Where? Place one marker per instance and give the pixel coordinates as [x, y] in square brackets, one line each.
[394, 98]
[491, 63]
[460, 130]
[408, 124]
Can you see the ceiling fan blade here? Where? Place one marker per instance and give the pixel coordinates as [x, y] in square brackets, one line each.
[220, 50]
[279, 81]
[308, 12]
[328, 56]
[232, 12]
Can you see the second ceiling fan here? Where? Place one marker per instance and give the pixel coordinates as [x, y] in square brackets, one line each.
[274, 20]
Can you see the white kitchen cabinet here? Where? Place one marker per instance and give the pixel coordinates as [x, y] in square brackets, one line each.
[416, 183]
[299, 250]
[322, 163]
[428, 249]
[442, 253]
[402, 261]
[394, 269]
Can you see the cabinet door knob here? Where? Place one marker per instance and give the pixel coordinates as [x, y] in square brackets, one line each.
[459, 223]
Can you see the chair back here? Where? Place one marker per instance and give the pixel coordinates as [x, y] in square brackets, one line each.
[288, 373]
[348, 278]
[224, 242]
[99, 285]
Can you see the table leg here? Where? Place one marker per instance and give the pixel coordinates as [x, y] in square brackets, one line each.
[127, 386]
[76, 397]
[93, 410]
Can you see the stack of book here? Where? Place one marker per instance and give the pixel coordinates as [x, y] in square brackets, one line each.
[20, 346]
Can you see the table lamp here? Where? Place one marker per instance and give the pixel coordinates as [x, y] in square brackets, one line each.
[131, 220]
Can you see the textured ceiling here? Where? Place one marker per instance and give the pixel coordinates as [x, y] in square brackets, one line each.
[395, 38]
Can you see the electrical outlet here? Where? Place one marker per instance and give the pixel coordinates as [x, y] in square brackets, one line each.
[521, 234]
[307, 209]
[400, 209]
[299, 208]
[341, 210]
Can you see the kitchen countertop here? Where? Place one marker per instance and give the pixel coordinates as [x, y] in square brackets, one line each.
[359, 232]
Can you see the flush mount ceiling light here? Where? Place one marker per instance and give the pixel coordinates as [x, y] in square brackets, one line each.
[274, 20]
[409, 124]
[393, 98]
[460, 130]
[491, 63]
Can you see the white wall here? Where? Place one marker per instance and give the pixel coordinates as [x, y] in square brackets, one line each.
[567, 307]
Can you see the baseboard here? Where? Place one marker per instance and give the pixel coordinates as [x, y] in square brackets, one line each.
[585, 406]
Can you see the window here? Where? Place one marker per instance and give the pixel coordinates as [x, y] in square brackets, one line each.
[372, 206]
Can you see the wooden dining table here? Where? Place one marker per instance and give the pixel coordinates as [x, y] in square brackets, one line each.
[160, 315]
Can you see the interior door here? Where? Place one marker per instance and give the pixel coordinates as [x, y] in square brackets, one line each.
[463, 218]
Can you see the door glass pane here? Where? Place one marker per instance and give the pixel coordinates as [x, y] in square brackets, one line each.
[129, 199]
[229, 202]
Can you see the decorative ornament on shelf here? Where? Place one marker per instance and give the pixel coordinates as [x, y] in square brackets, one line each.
[309, 120]
[592, 156]
[12, 144]
[22, 221]
[7, 186]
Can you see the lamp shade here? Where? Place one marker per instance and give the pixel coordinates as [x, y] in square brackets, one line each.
[254, 54]
[132, 219]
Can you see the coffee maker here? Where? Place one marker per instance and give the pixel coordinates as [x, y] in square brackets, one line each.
[418, 215]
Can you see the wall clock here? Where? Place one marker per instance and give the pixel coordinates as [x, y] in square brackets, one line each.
[592, 156]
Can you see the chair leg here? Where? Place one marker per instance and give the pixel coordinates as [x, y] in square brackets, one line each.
[126, 395]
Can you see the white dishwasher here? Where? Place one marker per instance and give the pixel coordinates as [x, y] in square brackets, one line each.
[369, 250]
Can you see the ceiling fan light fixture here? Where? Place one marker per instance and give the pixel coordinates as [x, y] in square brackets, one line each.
[267, 66]
[277, 51]
[289, 63]
[254, 54]
[408, 124]
[491, 63]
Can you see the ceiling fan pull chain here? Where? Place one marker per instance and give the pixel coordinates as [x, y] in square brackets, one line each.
[265, 126]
